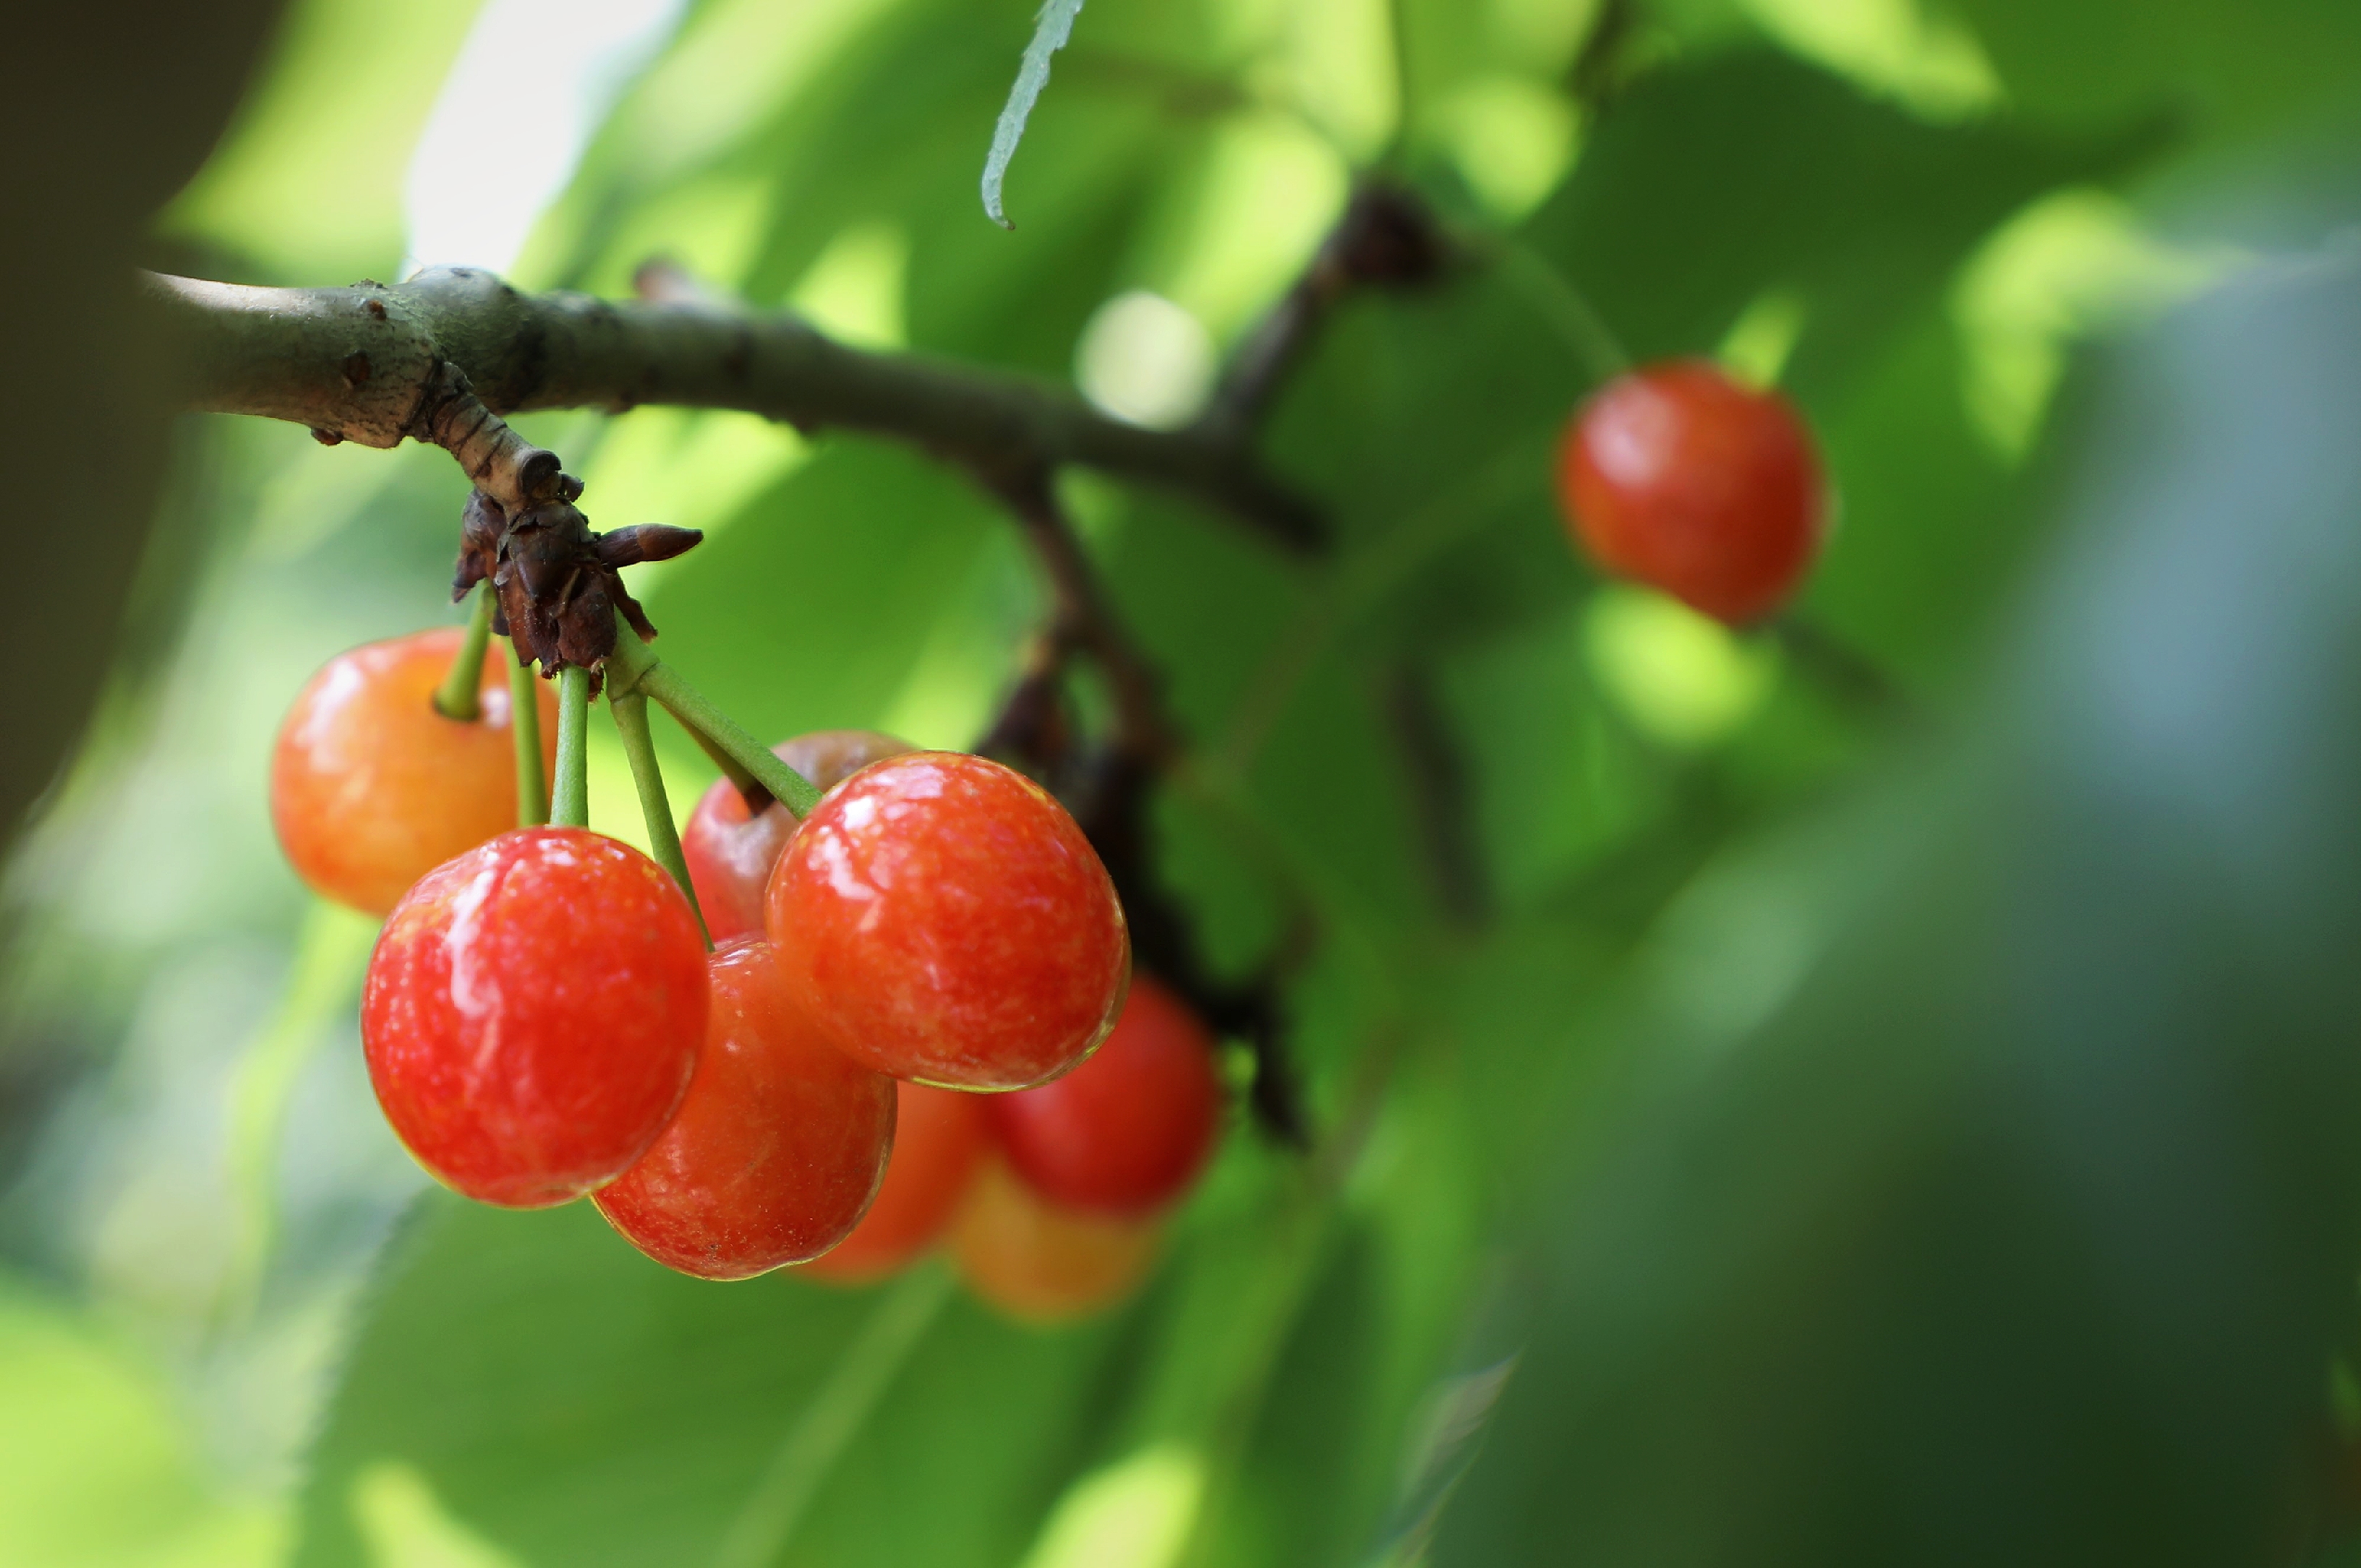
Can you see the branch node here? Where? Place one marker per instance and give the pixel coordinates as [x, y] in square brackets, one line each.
[513, 472]
[560, 585]
[1386, 238]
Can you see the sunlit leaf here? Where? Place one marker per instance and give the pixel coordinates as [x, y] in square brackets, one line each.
[1051, 31]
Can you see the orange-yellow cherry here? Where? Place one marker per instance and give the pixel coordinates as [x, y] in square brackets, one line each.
[1041, 1264]
[371, 787]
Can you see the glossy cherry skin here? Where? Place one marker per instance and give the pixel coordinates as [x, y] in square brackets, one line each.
[1125, 1132]
[533, 1014]
[730, 851]
[1041, 1264]
[941, 918]
[776, 1151]
[941, 1139]
[370, 788]
[1680, 478]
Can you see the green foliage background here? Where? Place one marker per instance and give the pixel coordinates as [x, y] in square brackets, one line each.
[1821, 1129]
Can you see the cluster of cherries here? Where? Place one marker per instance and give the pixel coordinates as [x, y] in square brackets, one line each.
[1051, 1195]
[917, 1019]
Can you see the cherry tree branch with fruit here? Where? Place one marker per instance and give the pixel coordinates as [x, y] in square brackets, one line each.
[975, 946]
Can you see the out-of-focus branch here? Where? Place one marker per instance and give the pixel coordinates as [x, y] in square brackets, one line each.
[1840, 669]
[1386, 238]
[1082, 621]
[442, 357]
[1442, 795]
[1108, 785]
[1601, 63]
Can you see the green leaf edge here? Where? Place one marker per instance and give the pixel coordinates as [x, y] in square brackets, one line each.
[1051, 29]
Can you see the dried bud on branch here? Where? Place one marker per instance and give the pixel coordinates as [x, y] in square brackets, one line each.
[559, 583]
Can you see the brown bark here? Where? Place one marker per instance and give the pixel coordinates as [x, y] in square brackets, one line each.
[375, 363]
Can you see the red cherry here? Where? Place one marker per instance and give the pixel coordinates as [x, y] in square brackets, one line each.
[731, 853]
[940, 1137]
[370, 788]
[1684, 479]
[1126, 1132]
[776, 1152]
[533, 1014]
[940, 918]
[1041, 1264]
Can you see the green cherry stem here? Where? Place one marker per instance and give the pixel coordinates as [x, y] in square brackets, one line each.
[631, 711]
[1567, 309]
[456, 697]
[525, 720]
[569, 804]
[632, 668]
[744, 783]
[829, 1421]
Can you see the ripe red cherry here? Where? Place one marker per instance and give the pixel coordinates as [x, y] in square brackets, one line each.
[941, 918]
[730, 852]
[1684, 479]
[533, 1014]
[776, 1152]
[1041, 1264]
[370, 788]
[1125, 1132]
[941, 1138]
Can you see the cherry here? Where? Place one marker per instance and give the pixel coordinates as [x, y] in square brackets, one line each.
[776, 1152]
[941, 918]
[1041, 1264]
[1126, 1132]
[730, 851]
[1680, 478]
[940, 1137]
[533, 1014]
[371, 788]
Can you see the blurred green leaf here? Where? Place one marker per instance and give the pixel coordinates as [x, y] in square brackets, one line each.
[2023, 1225]
[94, 1466]
[2225, 72]
[1709, 186]
[568, 1401]
[121, 116]
[306, 186]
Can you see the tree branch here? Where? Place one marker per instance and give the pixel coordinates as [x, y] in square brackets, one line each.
[1108, 785]
[441, 356]
[1443, 796]
[1842, 670]
[1080, 618]
[1385, 238]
